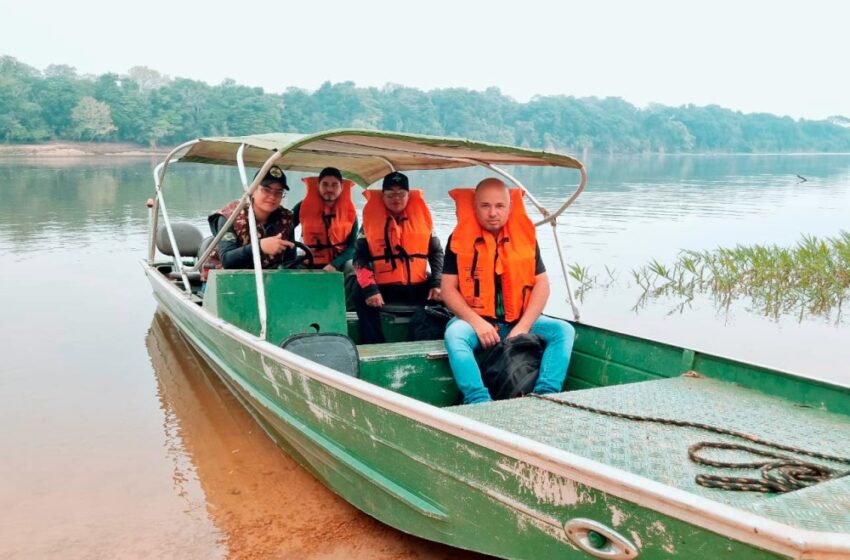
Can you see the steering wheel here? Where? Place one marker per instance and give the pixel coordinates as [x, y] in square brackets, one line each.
[304, 260]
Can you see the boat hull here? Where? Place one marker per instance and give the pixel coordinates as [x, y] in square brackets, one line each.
[440, 476]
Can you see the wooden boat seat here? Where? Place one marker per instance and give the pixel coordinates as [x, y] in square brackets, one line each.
[660, 452]
[394, 321]
[416, 369]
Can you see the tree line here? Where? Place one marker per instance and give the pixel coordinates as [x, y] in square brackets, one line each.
[146, 107]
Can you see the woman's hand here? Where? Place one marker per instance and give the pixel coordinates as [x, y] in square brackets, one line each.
[272, 246]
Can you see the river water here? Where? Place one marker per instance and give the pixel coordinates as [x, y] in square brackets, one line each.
[117, 442]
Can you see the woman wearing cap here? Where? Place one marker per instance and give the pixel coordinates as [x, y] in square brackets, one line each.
[274, 227]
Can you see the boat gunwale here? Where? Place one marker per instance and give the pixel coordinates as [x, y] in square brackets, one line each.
[728, 521]
[790, 375]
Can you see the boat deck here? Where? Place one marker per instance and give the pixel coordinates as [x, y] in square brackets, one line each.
[660, 452]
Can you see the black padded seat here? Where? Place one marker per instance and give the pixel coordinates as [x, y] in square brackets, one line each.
[333, 350]
[188, 239]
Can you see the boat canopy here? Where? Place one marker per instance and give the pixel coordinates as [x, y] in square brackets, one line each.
[361, 155]
[366, 155]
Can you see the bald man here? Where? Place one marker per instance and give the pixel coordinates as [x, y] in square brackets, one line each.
[496, 284]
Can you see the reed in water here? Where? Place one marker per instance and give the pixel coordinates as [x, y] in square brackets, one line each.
[812, 277]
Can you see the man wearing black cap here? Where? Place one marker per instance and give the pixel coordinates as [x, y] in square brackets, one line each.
[397, 257]
[328, 219]
[274, 227]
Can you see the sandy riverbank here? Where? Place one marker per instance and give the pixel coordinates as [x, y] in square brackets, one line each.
[78, 149]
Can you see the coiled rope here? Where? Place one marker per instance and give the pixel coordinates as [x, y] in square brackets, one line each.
[779, 474]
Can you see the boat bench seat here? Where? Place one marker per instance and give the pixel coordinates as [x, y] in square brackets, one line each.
[417, 369]
[394, 323]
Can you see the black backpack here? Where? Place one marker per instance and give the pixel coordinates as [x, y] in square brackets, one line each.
[429, 323]
[510, 368]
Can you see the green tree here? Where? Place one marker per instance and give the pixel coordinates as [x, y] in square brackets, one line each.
[149, 107]
[20, 115]
[128, 104]
[92, 118]
[57, 94]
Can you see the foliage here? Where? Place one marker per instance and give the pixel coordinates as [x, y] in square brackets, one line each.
[92, 118]
[149, 108]
[812, 277]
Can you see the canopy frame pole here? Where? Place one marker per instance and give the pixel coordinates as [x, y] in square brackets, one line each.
[159, 175]
[158, 179]
[243, 201]
[550, 218]
[569, 202]
[178, 259]
[388, 162]
[153, 215]
[570, 298]
[255, 242]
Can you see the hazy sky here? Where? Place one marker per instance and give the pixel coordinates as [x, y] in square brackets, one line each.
[788, 58]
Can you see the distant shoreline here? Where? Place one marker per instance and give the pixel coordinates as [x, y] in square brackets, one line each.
[79, 149]
[124, 149]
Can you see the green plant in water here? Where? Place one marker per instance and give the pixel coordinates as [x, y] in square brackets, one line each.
[585, 280]
[811, 277]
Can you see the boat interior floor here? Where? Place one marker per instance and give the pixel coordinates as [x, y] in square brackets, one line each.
[660, 452]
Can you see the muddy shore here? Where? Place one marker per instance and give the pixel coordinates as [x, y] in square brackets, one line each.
[79, 149]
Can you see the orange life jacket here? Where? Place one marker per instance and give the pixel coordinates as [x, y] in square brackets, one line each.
[399, 249]
[481, 256]
[326, 234]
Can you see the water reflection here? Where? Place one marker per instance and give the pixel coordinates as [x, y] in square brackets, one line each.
[93, 466]
[263, 503]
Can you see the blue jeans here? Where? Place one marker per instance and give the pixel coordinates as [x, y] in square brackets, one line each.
[461, 343]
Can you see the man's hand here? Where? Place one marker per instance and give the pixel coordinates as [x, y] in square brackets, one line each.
[518, 329]
[272, 246]
[435, 294]
[487, 334]
[375, 301]
[330, 268]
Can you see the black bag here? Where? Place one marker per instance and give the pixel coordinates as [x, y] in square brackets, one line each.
[510, 368]
[333, 350]
[429, 323]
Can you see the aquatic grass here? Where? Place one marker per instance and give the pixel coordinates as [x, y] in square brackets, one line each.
[811, 277]
[585, 280]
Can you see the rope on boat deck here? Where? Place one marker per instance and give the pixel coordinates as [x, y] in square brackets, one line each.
[779, 475]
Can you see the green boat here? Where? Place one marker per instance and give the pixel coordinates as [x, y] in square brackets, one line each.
[608, 475]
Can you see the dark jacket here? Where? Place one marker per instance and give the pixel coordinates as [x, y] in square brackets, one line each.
[234, 249]
[363, 264]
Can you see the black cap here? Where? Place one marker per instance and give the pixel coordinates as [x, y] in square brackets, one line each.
[330, 172]
[395, 179]
[275, 175]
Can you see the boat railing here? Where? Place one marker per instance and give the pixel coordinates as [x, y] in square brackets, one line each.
[159, 206]
[255, 241]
